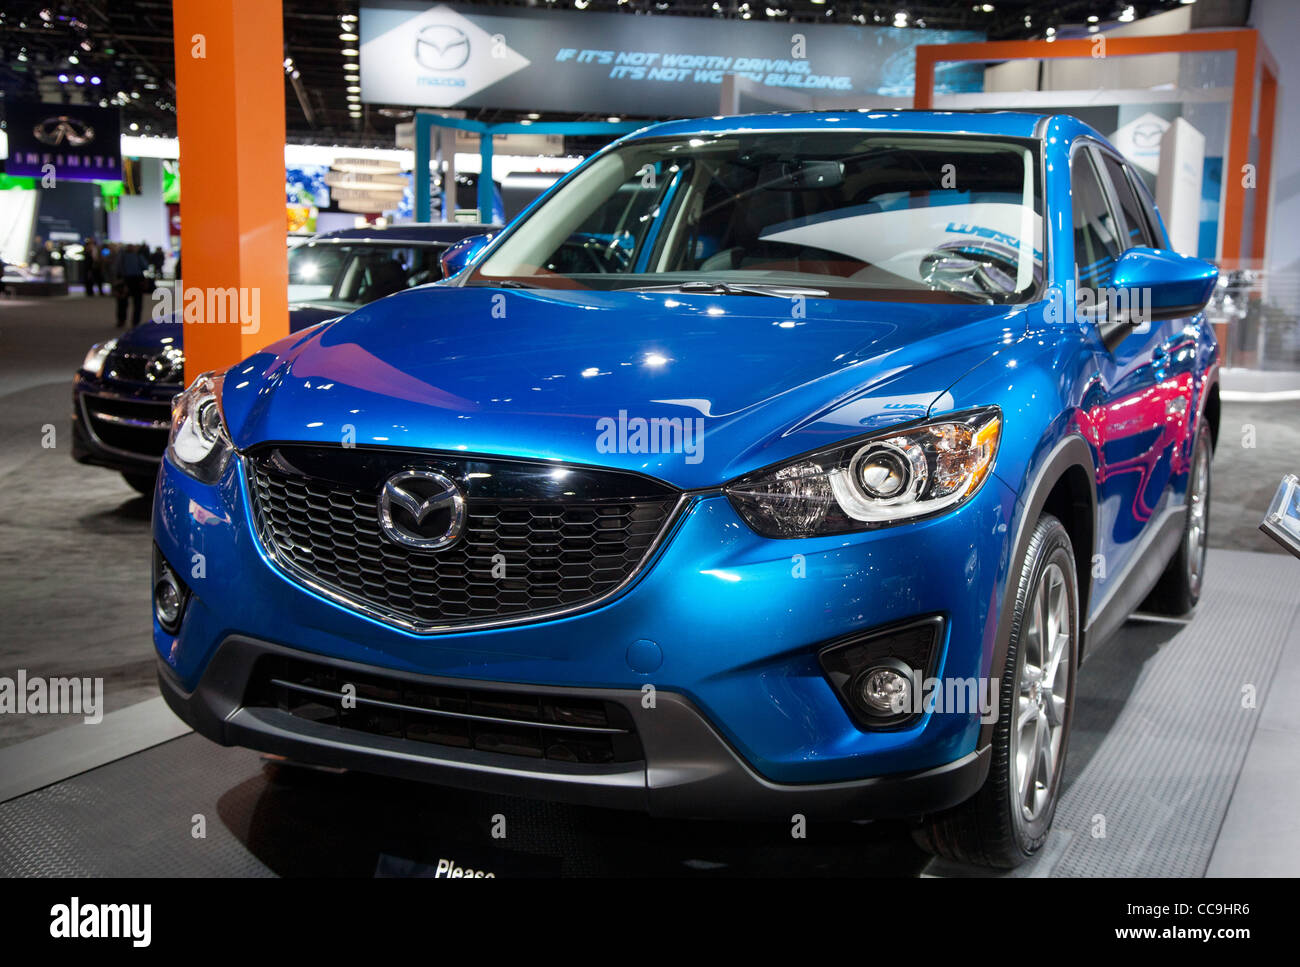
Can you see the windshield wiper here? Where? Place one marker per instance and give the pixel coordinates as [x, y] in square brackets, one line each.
[734, 288]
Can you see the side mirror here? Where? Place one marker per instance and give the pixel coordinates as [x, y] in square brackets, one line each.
[1163, 285]
[1282, 522]
[457, 256]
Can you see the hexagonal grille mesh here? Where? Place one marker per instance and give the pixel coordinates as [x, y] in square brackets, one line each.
[514, 559]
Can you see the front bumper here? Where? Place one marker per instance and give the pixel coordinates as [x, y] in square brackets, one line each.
[743, 704]
[122, 426]
[689, 770]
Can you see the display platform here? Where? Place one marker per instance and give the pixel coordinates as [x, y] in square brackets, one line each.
[1177, 767]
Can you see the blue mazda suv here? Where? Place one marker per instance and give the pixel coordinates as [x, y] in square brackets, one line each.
[766, 467]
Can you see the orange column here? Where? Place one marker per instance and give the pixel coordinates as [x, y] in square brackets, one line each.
[1233, 249]
[1264, 168]
[230, 123]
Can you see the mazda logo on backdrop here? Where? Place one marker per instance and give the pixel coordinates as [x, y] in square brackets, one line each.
[442, 47]
[422, 509]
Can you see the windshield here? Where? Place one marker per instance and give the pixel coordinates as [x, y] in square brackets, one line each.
[359, 273]
[887, 217]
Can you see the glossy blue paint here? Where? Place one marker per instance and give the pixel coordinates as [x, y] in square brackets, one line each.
[528, 373]
[459, 255]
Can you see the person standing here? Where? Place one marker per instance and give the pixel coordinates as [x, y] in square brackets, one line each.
[94, 267]
[129, 284]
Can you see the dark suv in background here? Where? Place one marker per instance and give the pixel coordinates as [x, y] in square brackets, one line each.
[122, 395]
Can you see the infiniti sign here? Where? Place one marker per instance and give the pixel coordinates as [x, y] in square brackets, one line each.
[422, 509]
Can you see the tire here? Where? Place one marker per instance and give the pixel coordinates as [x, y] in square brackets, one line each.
[1179, 587]
[1006, 822]
[141, 483]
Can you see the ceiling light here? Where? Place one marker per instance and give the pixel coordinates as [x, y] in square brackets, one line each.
[1127, 15]
[354, 97]
[134, 126]
[613, 120]
[347, 36]
[72, 59]
[534, 116]
[1093, 19]
[352, 67]
[348, 18]
[354, 90]
[349, 52]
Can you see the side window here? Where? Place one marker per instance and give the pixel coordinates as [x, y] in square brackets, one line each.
[1139, 233]
[1096, 241]
[1154, 228]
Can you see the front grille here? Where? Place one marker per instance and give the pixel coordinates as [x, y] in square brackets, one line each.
[559, 728]
[138, 427]
[520, 554]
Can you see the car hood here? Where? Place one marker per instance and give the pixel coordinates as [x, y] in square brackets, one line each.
[564, 375]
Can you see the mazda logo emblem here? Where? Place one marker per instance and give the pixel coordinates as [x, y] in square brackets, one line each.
[422, 509]
[442, 47]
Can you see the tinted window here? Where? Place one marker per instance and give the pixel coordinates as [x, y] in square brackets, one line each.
[1134, 219]
[1096, 242]
[359, 272]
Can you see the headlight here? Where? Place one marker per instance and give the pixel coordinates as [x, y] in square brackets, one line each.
[95, 359]
[199, 444]
[873, 482]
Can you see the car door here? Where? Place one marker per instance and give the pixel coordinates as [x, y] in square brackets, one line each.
[1126, 405]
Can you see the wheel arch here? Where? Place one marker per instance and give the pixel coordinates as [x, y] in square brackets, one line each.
[1212, 412]
[1063, 483]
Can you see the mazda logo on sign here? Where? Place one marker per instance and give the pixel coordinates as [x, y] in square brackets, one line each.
[62, 130]
[442, 47]
[422, 509]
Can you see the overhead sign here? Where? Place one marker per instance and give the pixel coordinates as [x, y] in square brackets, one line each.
[452, 55]
[74, 142]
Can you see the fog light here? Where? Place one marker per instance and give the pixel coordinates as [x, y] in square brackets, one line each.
[169, 596]
[877, 674]
[885, 690]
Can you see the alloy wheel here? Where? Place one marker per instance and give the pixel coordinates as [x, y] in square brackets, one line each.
[1198, 509]
[1043, 685]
